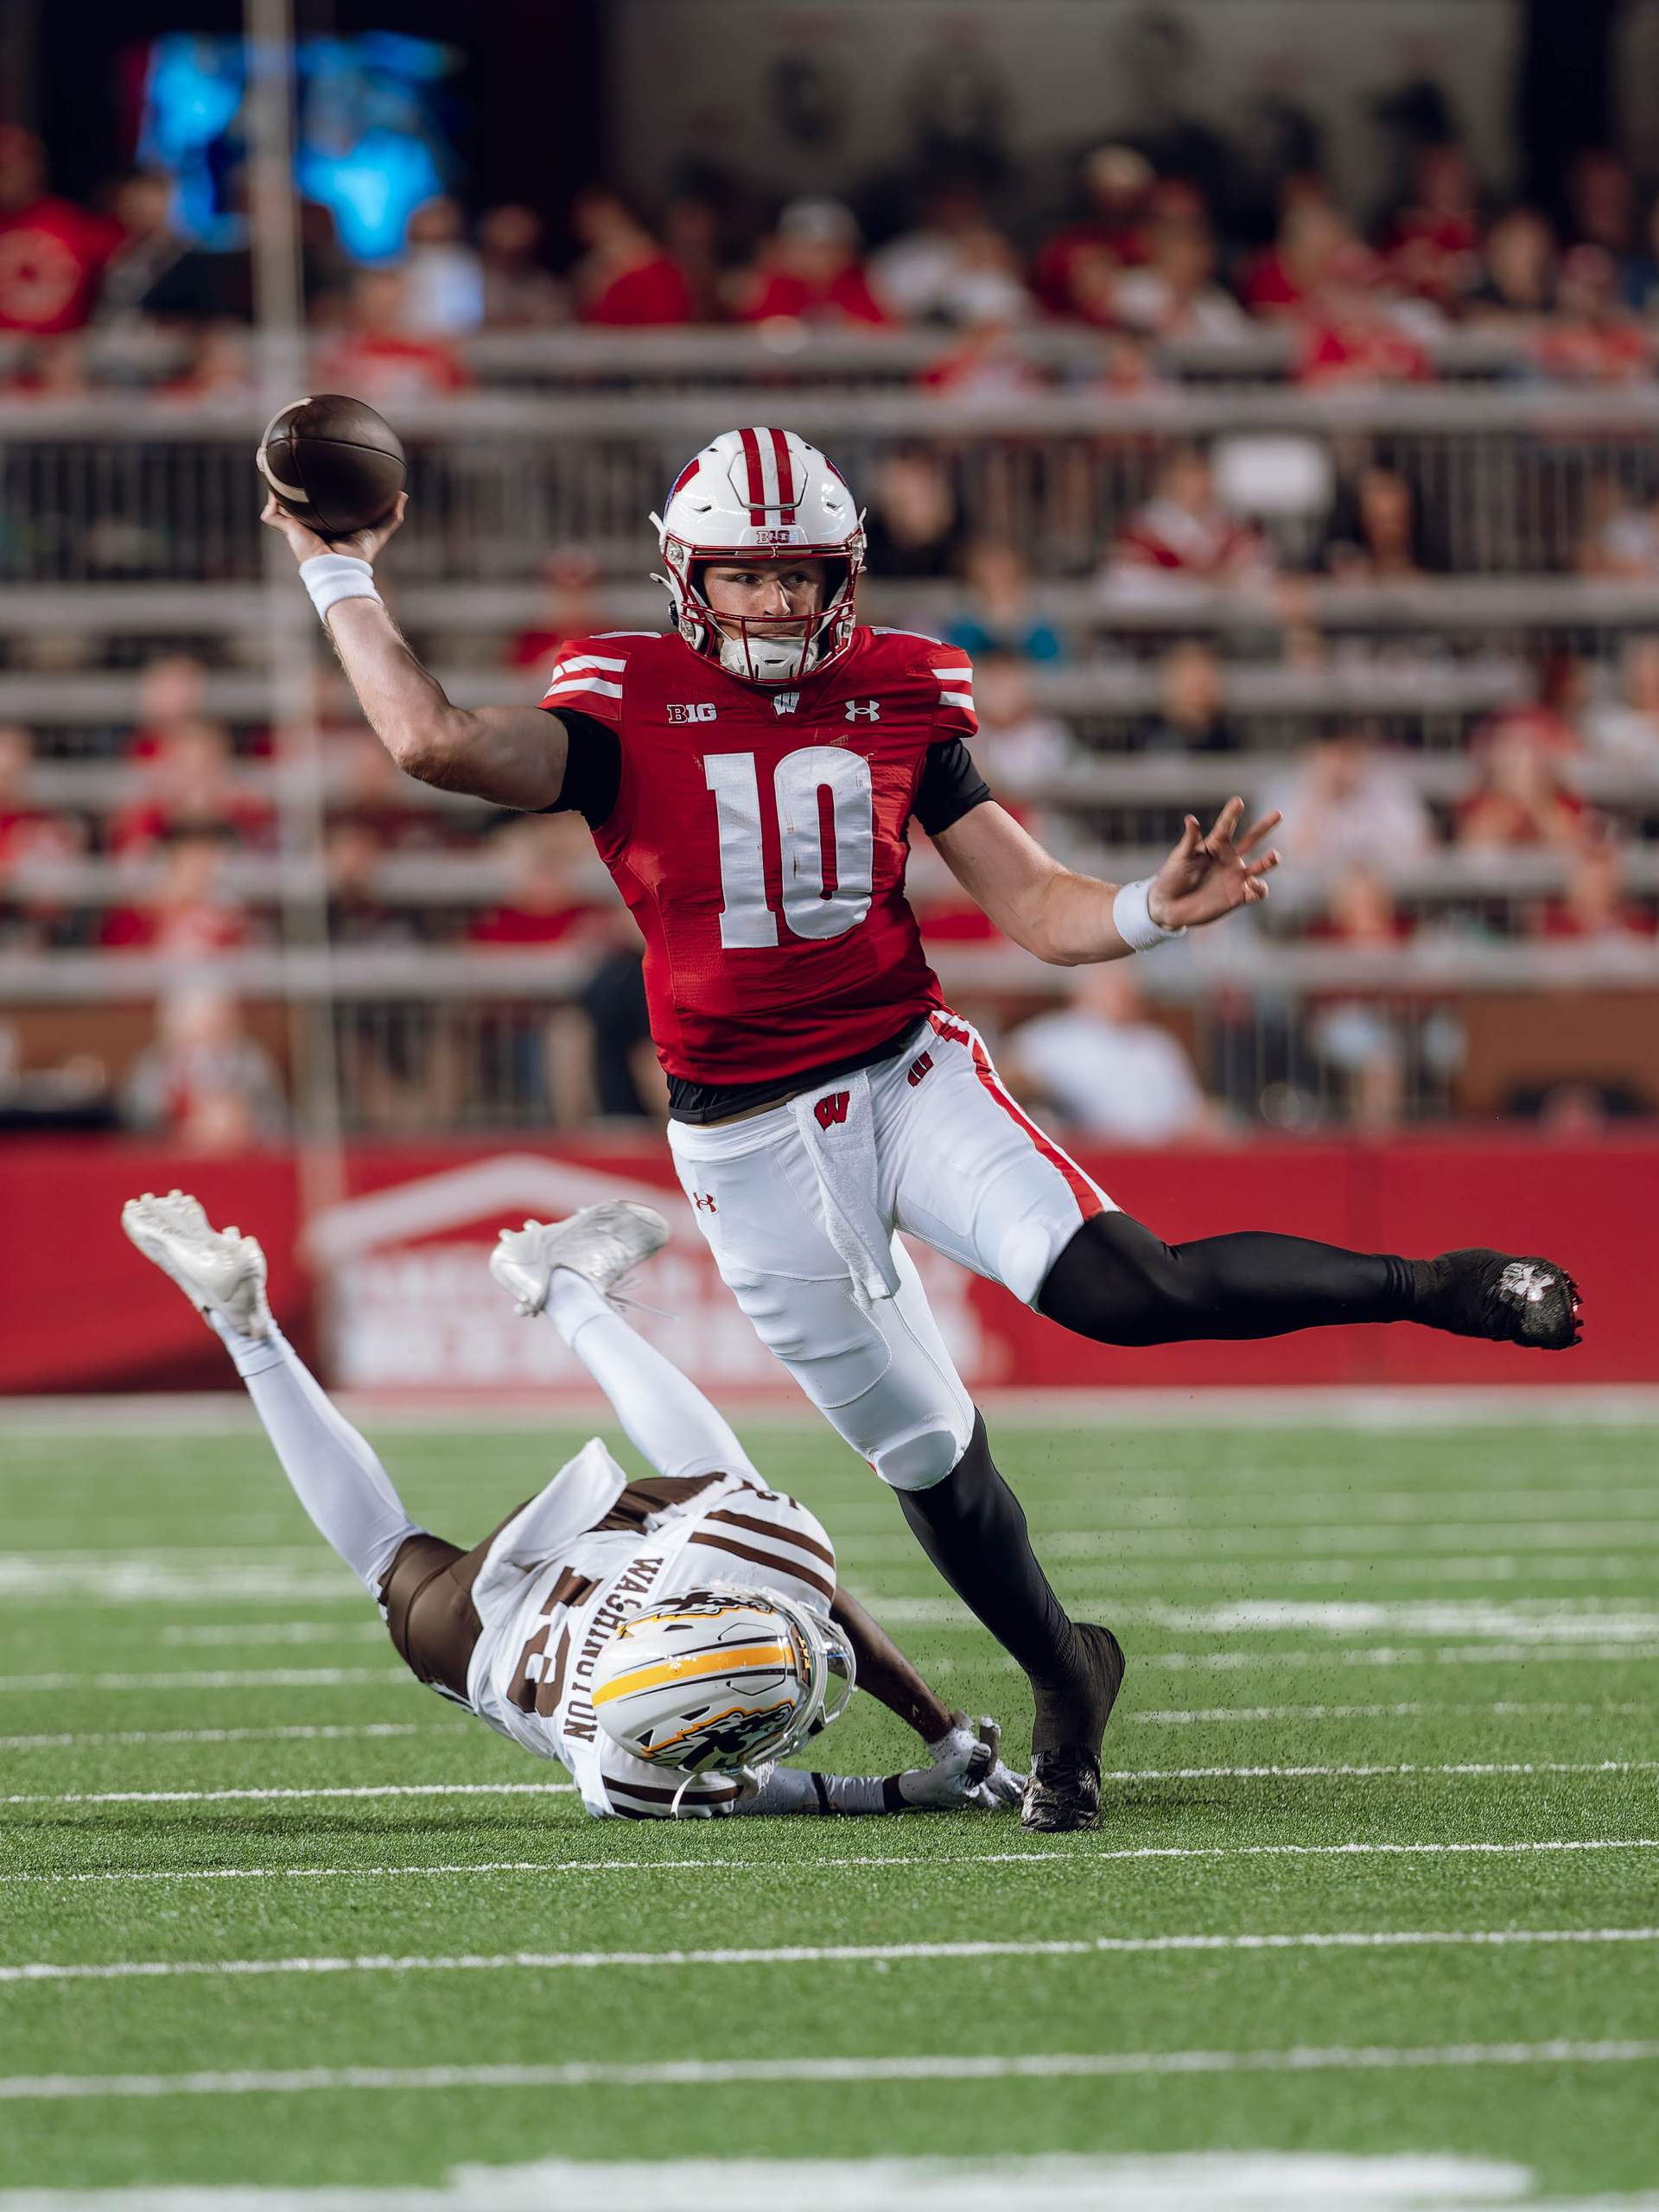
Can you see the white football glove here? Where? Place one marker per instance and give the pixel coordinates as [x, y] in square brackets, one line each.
[965, 1773]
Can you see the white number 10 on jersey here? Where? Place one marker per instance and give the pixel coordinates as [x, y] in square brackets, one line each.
[826, 838]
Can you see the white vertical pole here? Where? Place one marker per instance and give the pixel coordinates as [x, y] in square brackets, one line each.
[290, 627]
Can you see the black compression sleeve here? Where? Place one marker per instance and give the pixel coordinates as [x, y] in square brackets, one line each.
[951, 786]
[593, 769]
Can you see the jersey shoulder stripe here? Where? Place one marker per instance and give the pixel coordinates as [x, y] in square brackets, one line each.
[571, 688]
[922, 638]
[585, 678]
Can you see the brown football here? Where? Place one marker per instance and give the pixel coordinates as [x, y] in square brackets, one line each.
[334, 463]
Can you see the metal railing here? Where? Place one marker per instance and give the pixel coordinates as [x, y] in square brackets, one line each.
[100, 490]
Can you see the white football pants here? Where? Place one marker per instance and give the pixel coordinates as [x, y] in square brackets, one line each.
[799, 1205]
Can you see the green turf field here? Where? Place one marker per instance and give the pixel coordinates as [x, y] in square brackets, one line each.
[1379, 1871]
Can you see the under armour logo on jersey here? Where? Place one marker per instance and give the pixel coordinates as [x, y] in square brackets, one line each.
[832, 1108]
[700, 710]
[784, 702]
[863, 710]
[704, 1202]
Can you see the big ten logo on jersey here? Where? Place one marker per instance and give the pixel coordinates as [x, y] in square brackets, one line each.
[699, 710]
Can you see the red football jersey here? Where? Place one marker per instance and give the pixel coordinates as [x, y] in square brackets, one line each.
[758, 837]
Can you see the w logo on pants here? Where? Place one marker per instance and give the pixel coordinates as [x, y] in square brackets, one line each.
[832, 1108]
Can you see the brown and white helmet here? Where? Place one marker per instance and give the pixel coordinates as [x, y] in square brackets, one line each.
[761, 495]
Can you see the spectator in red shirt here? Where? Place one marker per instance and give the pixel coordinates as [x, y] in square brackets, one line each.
[1434, 245]
[1592, 337]
[188, 914]
[172, 690]
[1349, 336]
[1183, 531]
[375, 359]
[1073, 271]
[188, 786]
[809, 271]
[624, 279]
[28, 832]
[51, 252]
[1595, 908]
[572, 576]
[987, 364]
[546, 901]
[1519, 797]
[1290, 276]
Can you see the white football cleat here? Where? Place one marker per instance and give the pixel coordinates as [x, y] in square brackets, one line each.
[219, 1271]
[601, 1243]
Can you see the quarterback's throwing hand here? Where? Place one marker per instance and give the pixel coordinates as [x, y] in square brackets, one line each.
[304, 542]
[1206, 877]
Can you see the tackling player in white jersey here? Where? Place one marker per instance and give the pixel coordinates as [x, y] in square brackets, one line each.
[670, 1640]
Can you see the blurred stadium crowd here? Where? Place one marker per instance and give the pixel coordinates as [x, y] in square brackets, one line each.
[1359, 518]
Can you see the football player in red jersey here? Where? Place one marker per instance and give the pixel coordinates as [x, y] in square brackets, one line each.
[749, 777]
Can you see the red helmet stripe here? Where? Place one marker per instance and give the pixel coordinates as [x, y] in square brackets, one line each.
[786, 475]
[757, 482]
[684, 477]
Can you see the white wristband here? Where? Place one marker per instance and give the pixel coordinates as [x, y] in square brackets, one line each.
[1132, 917]
[330, 577]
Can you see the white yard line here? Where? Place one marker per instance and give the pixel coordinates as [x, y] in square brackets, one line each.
[70, 1739]
[1294, 1539]
[1516, 1618]
[830, 1953]
[1461, 1654]
[218, 1679]
[1468, 1770]
[1559, 1655]
[1084, 1860]
[1405, 1709]
[241, 1632]
[1068, 2181]
[369, 1790]
[702, 2073]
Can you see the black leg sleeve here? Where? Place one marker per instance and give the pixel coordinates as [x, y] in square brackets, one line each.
[973, 1529]
[1118, 1283]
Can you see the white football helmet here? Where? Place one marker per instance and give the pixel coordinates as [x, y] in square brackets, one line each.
[766, 495]
[720, 1678]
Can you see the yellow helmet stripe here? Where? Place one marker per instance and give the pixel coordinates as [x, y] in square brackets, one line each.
[735, 1659]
